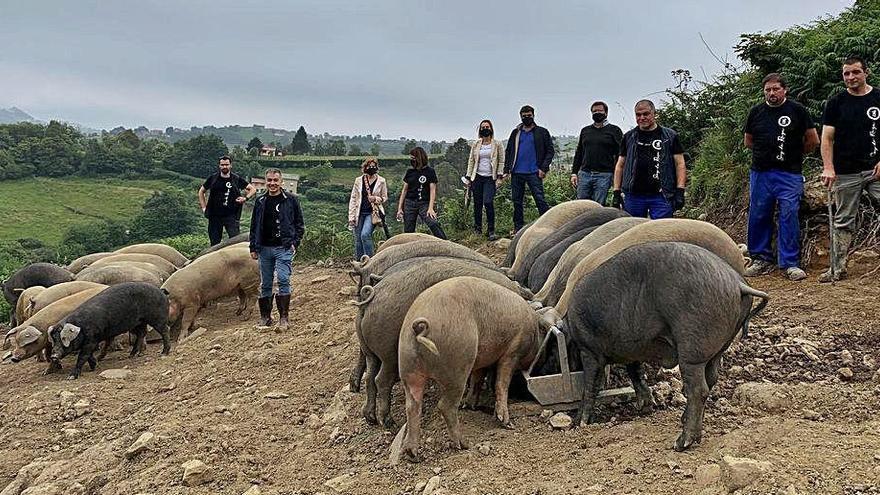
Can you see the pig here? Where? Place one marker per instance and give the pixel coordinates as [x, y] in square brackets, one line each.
[45, 274]
[668, 229]
[236, 239]
[454, 331]
[143, 265]
[160, 262]
[381, 311]
[546, 262]
[56, 292]
[80, 263]
[511, 250]
[117, 274]
[404, 238]
[20, 313]
[163, 250]
[122, 308]
[591, 217]
[417, 249]
[674, 303]
[546, 224]
[553, 286]
[215, 275]
[30, 338]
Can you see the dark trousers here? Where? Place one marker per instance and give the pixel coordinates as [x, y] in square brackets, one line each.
[483, 192]
[518, 184]
[217, 224]
[413, 210]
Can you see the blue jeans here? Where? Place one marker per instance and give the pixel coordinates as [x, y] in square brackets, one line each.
[594, 185]
[645, 205]
[518, 184]
[771, 189]
[275, 260]
[363, 236]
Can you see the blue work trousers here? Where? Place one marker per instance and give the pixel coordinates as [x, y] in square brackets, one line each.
[772, 189]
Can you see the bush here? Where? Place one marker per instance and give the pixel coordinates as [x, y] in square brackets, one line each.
[165, 214]
[17, 254]
[94, 237]
[190, 245]
[315, 194]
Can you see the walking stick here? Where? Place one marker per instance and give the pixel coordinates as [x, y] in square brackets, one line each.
[832, 234]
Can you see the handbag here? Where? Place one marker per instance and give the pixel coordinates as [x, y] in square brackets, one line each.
[376, 215]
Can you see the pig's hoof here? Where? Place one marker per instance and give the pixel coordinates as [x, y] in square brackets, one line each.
[411, 455]
[370, 417]
[354, 385]
[72, 377]
[460, 444]
[388, 423]
[684, 442]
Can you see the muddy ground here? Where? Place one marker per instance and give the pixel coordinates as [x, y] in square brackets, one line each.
[272, 411]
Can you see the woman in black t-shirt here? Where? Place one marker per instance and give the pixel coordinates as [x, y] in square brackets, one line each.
[419, 194]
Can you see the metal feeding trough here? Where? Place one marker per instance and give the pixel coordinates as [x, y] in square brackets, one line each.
[565, 390]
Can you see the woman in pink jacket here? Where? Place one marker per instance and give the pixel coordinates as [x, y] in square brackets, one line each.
[369, 191]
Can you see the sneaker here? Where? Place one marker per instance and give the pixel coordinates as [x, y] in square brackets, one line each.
[794, 273]
[828, 277]
[492, 237]
[758, 268]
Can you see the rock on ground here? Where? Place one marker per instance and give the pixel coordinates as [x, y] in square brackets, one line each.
[739, 472]
[768, 397]
[115, 374]
[196, 472]
[142, 444]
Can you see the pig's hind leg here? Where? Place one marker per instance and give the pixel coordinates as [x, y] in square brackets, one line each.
[140, 333]
[644, 399]
[450, 398]
[369, 409]
[696, 391]
[594, 371]
[503, 375]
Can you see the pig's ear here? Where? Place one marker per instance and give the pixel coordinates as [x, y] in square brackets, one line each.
[68, 333]
[28, 336]
[165, 291]
[17, 290]
[9, 335]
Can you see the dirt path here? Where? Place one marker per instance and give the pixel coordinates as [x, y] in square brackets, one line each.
[273, 410]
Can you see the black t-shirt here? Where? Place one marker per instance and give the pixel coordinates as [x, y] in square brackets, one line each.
[418, 182]
[222, 192]
[598, 147]
[366, 190]
[778, 136]
[272, 221]
[856, 122]
[649, 145]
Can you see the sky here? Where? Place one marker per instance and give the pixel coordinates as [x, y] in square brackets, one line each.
[414, 68]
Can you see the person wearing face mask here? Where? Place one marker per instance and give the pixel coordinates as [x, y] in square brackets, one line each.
[593, 166]
[779, 132]
[527, 159]
[484, 172]
[369, 192]
[419, 194]
[650, 172]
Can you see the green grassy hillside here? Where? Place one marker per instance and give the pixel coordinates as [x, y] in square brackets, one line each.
[43, 208]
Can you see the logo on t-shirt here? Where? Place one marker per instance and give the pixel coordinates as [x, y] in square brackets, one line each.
[656, 144]
[422, 179]
[874, 113]
[784, 121]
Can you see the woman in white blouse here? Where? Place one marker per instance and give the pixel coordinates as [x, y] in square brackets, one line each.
[484, 174]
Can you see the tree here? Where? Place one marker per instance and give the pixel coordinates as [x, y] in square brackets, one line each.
[320, 175]
[355, 150]
[165, 214]
[254, 143]
[103, 235]
[197, 156]
[457, 155]
[408, 146]
[336, 148]
[436, 148]
[299, 145]
[374, 149]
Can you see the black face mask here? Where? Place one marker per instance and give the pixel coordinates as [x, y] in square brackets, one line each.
[528, 121]
[485, 132]
[599, 117]
[372, 171]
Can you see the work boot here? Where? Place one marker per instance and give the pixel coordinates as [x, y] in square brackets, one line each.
[265, 304]
[283, 310]
[794, 273]
[841, 246]
[759, 267]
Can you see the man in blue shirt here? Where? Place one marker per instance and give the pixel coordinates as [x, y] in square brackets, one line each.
[527, 160]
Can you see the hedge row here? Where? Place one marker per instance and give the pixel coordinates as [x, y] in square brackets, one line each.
[335, 161]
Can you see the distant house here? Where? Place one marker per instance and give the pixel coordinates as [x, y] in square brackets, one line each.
[267, 150]
[291, 181]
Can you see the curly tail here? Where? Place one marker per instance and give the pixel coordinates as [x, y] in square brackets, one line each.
[748, 291]
[420, 326]
[367, 294]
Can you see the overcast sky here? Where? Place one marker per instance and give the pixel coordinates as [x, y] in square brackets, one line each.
[411, 68]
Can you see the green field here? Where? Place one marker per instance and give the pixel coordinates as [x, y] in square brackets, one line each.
[345, 176]
[43, 208]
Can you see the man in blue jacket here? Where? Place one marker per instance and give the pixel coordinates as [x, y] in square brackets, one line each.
[276, 231]
[650, 172]
[527, 160]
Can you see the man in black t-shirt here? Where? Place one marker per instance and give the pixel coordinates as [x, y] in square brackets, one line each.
[779, 132]
[850, 156]
[597, 150]
[222, 207]
[650, 171]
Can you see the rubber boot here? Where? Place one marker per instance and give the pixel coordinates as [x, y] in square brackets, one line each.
[842, 240]
[283, 310]
[265, 304]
